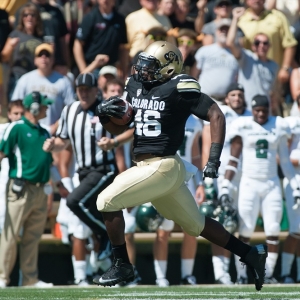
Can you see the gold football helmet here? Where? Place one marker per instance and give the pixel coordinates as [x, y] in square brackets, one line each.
[159, 62]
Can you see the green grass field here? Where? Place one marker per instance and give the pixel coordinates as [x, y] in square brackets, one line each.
[274, 292]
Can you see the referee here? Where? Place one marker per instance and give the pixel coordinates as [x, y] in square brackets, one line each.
[79, 127]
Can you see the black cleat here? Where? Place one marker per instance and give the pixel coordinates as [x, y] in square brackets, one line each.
[256, 261]
[118, 272]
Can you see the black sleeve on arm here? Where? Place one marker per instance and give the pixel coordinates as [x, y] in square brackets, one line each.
[201, 106]
[196, 103]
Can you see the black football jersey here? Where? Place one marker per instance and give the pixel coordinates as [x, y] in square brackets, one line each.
[161, 112]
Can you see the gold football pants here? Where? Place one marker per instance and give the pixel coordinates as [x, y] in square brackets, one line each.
[161, 182]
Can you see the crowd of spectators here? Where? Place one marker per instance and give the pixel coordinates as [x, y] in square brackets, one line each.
[46, 44]
[82, 34]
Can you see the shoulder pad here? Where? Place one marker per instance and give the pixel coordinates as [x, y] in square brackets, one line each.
[187, 83]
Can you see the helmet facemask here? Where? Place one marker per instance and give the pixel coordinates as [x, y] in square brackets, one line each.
[147, 68]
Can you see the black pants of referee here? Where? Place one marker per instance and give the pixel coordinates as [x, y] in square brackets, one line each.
[82, 201]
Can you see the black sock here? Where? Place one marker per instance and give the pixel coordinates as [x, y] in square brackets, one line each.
[120, 251]
[237, 247]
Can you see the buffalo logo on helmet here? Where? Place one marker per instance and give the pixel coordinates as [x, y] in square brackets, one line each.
[171, 57]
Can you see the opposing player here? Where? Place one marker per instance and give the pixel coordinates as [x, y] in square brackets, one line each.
[235, 107]
[291, 245]
[163, 101]
[260, 139]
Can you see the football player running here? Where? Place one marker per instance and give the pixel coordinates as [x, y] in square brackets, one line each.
[162, 101]
[235, 107]
[260, 139]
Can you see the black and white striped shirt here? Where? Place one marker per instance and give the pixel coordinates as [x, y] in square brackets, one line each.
[84, 129]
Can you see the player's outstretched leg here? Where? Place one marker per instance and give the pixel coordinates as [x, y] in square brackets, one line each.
[256, 261]
[121, 270]
[254, 257]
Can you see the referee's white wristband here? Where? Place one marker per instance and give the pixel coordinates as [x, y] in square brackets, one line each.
[68, 184]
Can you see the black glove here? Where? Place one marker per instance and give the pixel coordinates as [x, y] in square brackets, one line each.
[108, 108]
[211, 169]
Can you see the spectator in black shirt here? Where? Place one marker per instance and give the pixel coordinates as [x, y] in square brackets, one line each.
[103, 31]
[4, 28]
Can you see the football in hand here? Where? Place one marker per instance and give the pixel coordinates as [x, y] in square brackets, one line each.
[127, 115]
